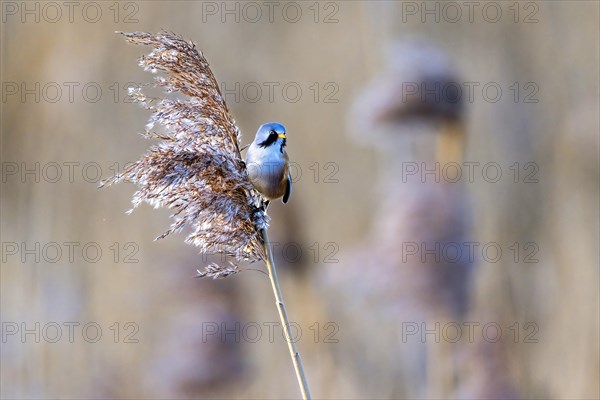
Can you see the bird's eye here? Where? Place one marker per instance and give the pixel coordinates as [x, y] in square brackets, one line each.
[272, 133]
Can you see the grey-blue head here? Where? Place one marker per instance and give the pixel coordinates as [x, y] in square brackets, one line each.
[270, 134]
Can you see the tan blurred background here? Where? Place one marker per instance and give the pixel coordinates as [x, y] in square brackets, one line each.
[152, 331]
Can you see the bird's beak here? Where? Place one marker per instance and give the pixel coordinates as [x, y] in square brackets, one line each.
[281, 136]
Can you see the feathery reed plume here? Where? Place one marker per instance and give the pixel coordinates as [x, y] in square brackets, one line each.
[197, 168]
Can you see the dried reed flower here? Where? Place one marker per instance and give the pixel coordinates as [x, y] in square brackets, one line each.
[196, 169]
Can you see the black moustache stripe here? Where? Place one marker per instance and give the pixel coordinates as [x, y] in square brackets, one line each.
[269, 141]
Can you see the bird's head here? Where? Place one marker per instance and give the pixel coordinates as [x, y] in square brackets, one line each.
[271, 134]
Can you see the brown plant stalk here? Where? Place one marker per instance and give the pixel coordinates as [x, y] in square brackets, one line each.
[197, 170]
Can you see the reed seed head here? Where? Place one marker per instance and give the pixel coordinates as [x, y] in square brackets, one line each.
[196, 168]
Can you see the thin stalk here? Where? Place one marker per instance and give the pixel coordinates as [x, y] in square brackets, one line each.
[295, 355]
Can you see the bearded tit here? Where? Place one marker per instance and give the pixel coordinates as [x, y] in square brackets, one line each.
[267, 163]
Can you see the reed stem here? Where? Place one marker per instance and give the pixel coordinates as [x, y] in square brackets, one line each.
[295, 355]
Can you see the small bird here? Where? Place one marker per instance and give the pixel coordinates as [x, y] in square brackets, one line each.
[267, 163]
